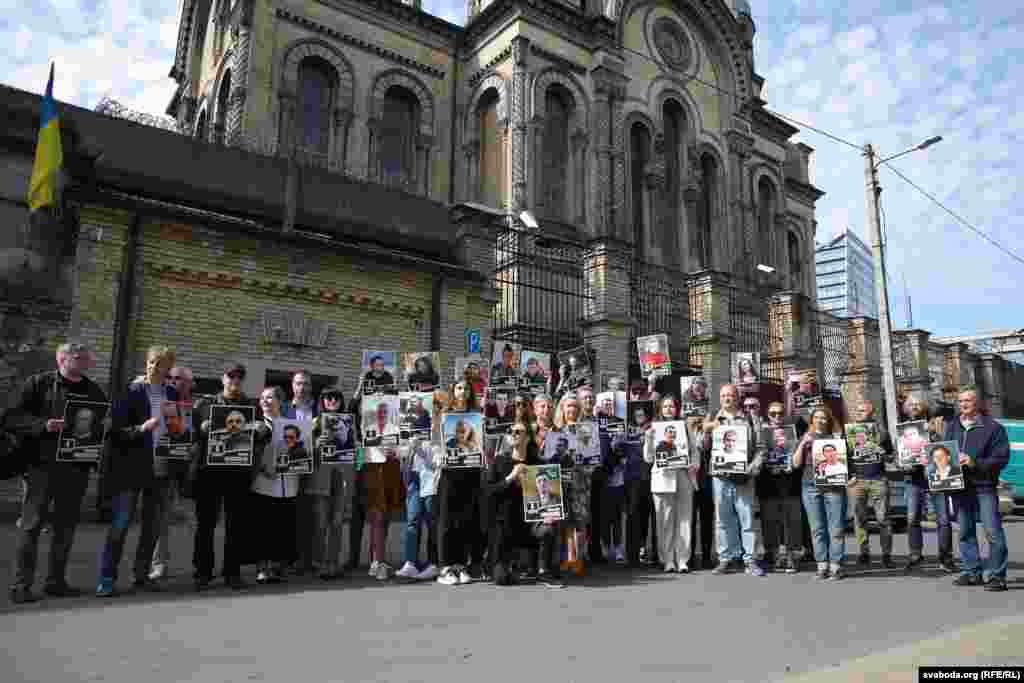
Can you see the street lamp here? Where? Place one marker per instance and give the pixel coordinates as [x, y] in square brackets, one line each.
[874, 190]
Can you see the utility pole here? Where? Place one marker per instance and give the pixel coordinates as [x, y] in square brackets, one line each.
[873, 190]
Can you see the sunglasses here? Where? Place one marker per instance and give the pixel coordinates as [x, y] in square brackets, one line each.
[515, 432]
[234, 375]
[775, 413]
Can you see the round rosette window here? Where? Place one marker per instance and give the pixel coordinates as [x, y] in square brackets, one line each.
[672, 43]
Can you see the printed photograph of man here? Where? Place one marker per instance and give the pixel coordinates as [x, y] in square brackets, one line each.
[85, 420]
[672, 450]
[499, 410]
[803, 387]
[231, 435]
[944, 470]
[292, 450]
[611, 408]
[913, 437]
[653, 352]
[380, 420]
[337, 437]
[378, 371]
[542, 493]
[729, 449]
[421, 372]
[573, 370]
[472, 370]
[829, 457]
[505, 364]
[415, 412]
[81, 437]
[777, 456]
[640, 413]
[537, 368]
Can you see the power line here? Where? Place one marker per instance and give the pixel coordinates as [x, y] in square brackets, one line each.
[732, 93]
[956, 216]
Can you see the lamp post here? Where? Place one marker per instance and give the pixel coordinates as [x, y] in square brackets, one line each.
[874, 190]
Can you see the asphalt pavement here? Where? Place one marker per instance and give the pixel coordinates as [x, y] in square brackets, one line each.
[612, 625]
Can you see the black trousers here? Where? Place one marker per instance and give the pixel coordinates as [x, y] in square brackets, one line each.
[704, 515]
[459, 534]
[598, 486]
[638, 516]
[358, 520]
[212, 490]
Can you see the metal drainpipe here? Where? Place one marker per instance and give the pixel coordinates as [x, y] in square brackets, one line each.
[124, 303]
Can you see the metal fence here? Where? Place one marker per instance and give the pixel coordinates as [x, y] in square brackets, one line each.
[751, 331]
[831, 338]
[542, 293]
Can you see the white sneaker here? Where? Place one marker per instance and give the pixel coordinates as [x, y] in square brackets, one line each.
[448, 577]
[408, 571]
[373, 569]
[158, 573]
[429, 574]
[620, 554]
[384, 571]
[464, 576]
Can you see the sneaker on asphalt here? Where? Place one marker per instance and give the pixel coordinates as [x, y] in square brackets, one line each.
[792, 565]
[548, 581]
[996, 584]
[408, 572]
[755, 569]
[836, 574]
[158, 573]
[373, 569]
[429, 574]
[967, 580]
[620, 555]
[263, 576]
[384, 571]
[105, 589]
[911, 564]
[21, 595]
[464, 576]
[448, 577]
[62, 590]
[724, 567]
[947, 566]
[822, 572]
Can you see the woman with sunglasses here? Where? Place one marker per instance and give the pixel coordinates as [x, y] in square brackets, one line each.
[672, 489]
[826, 507]
[458, 496]
[509, 531]
[779, 495]
[329, 488]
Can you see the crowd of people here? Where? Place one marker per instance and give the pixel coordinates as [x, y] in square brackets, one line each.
[630, 508]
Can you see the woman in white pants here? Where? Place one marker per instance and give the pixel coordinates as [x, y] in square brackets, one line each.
[673, 489]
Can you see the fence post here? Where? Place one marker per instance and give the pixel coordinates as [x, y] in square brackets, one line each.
[790, 319]
[607, 324]
[711, 341]
[913, 375]
[863, 376]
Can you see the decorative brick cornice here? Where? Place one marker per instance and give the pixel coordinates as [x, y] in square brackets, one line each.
[489, 67]
[558, 60]
[358, 298]
[354, 41]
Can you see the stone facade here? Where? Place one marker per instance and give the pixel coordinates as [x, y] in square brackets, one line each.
[616, 67]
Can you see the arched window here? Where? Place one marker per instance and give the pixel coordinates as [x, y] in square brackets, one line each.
[675, 121]
[766, 220]
[399, 121]
[708, 204]
[201, 132]
[554, 187]
[492, 152]
[795, 262]
[640, 154]
[221, 120]
[316, 99]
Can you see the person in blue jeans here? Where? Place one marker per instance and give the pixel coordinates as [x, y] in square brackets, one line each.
[420, 487]
[826, 507]
[138, 421]
[735, 494]
[917, 494]
[984, 452]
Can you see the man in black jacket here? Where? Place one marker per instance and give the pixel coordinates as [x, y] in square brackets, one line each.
[984, 452]
[38, 418]
[216, 485]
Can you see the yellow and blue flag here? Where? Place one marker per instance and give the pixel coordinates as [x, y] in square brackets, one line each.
[49, 155]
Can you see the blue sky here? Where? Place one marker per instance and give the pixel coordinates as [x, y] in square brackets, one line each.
[889, 72]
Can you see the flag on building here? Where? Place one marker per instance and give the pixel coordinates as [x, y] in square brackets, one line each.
[49, 156]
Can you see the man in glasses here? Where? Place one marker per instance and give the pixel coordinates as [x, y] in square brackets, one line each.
[38, 417]
[222, 485]
[170, 473]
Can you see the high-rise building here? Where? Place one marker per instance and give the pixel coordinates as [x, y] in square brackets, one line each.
[845, 275]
